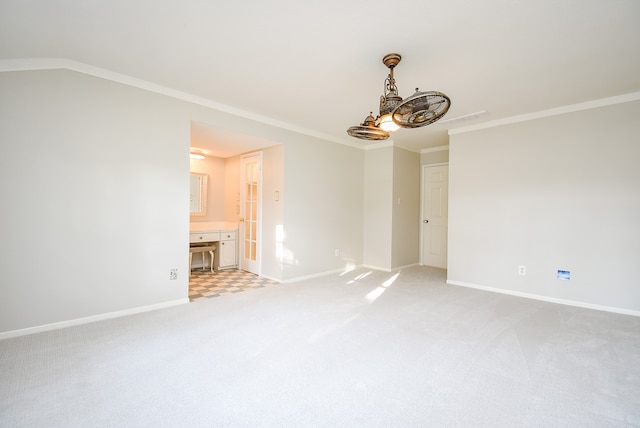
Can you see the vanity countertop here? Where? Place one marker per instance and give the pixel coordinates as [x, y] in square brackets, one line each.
[203, 226]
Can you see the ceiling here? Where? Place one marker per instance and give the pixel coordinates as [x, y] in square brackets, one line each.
[316, 67]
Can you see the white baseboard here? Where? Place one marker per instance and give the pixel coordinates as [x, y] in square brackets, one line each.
[382, 269]
[395, 269]
[271, 278]
[343, 270]
[315, 275]
[548, 299]
[93, 318]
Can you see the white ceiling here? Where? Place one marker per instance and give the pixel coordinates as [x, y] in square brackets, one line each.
[317, 66]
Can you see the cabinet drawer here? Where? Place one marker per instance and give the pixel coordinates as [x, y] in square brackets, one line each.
[227, 235]
[204, 237]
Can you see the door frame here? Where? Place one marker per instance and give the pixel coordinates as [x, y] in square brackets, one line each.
[241, 236]
[423, 171]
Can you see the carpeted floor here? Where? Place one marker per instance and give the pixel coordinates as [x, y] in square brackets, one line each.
[360, 349]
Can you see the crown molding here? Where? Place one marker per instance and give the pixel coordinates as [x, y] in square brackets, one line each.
[434, 149]
[603, 102]
[380, 145]
[35, 64]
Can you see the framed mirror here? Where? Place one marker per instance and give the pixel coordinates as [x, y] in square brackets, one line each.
[198, 196]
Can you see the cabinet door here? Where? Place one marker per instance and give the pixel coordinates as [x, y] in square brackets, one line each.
[227, 254]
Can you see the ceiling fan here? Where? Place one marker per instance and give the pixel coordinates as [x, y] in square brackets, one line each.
[420, 109]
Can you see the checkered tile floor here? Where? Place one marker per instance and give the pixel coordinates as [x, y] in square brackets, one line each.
[204, 284]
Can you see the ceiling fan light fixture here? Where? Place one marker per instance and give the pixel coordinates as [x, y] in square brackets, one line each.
[420, 109]
[390, 99]
[368, 130]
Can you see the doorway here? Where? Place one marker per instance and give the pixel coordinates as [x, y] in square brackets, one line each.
[435, 202]
[250, 212]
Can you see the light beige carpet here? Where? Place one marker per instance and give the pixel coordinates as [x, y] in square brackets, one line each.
[363, 349]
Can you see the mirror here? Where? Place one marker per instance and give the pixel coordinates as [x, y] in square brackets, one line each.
[198, 196]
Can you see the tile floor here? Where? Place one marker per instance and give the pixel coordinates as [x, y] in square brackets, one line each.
[204, 284]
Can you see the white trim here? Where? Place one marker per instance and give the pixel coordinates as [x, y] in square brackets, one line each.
[389, 143]
[270, 278]
[603, 102]
[315, 275]
[434, 149]
[405, 267]
[32, 64]
[395, 269]
[409, 149]
[342, 270]
[93, 318]
[463, 118]
[382, 144]
[382, 269]
[429, 165]
[547, 299]
[243, 199]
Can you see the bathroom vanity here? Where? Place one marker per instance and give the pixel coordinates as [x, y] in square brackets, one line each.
[222, 235]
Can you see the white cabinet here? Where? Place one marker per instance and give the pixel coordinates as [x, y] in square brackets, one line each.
[204, 237]
[223, 235]
[228, 250]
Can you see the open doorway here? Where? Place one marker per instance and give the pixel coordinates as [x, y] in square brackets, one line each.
[234, 163]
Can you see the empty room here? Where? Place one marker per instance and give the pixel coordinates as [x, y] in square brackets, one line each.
[342, 214]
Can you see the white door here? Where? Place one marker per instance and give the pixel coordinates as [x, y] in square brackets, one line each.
[251, 212]
[435, 201]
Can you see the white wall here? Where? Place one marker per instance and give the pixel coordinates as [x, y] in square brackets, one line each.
[561, 192]
[272, 212]
[232, 189]
[434, 156]
[406, 208]
[94, 186]
[378, 208]
[392, 208]
[323, 207]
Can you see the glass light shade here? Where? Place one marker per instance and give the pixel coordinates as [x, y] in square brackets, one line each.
[196, 156]
[388, 124]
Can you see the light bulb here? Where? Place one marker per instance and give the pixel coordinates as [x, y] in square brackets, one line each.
[388, 124]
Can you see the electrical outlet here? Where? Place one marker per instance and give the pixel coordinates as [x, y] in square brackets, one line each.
[336, 252]
[522, 270]
[173, 274]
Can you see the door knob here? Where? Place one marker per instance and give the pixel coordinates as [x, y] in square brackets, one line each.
[425, 221]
